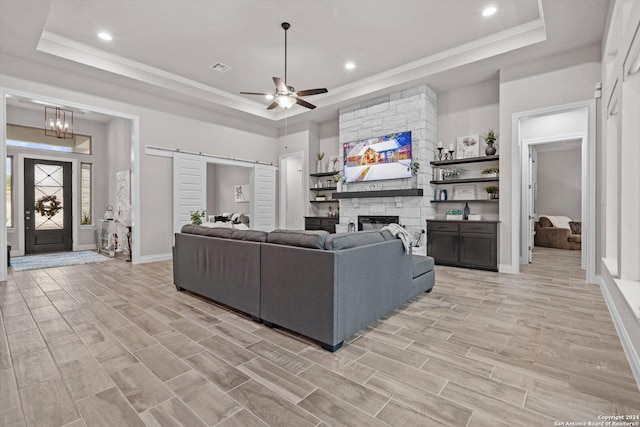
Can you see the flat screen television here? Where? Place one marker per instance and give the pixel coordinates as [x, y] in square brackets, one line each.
[374, 159]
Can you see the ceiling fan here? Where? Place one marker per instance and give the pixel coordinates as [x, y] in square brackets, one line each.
[286, 96]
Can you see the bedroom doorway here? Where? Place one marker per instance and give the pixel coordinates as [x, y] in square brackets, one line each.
[571, 122]
[555, 196]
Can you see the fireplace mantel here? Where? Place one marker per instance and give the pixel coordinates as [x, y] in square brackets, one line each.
[408, 192]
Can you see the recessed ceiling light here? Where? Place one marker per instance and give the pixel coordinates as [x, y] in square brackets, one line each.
[349, 65]
[489, 11]
[105, 36]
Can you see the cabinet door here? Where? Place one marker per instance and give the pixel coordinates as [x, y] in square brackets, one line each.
[478, 250]
[443, 246]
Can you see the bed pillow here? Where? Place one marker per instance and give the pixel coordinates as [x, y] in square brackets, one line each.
[544, 222]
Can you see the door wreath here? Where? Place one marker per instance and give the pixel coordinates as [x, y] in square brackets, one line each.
[48, 206]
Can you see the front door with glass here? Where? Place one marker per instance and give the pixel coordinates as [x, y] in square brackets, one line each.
[47, 213]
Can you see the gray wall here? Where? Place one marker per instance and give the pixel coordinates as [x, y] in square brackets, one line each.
[560, 183]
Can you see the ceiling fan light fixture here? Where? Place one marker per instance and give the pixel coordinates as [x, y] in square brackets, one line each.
[285, 101]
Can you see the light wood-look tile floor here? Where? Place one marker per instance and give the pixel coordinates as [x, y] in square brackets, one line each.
[113, 344]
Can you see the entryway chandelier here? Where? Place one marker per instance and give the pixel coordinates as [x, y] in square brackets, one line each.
[58, 122]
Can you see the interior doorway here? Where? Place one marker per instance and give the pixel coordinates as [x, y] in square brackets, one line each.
[555, 196]
[575, 121]
[292, 191]
[47, 206]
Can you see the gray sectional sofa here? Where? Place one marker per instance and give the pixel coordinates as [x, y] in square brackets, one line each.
[324, 286]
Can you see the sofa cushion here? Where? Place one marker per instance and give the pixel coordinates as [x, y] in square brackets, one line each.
[219, 232]
[421, 265]
[313, 239]
[249, 235]
[576, 227]
[194, 229]
[575, 238]
[545, 222]
[336, 242]
[386, 235]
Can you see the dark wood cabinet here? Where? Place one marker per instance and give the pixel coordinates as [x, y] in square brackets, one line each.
[471, 244]
[321, 223]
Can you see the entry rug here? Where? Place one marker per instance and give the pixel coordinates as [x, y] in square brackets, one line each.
[60, 259]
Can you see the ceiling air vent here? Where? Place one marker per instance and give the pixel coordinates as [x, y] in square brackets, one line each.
[219, 66]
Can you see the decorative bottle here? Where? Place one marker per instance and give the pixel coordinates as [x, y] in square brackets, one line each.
[466, 211]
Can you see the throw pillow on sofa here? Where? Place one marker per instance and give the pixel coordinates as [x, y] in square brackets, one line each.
[576, 227]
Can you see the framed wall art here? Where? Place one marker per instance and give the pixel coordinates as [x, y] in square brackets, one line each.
[468, 146]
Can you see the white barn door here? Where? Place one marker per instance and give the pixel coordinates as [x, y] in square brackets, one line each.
[189, 188]
[263, 198]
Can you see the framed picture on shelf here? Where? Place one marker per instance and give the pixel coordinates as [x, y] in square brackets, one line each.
[468, 146]
[464, 192]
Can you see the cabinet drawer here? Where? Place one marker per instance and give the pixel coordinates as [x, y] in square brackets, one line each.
[330, 221]
[313, 221]
[442, 226]
[477, 228]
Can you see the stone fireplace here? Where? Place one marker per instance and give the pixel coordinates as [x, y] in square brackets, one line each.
[412, 110]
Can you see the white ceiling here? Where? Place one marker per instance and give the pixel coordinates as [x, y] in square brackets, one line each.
[168, 46]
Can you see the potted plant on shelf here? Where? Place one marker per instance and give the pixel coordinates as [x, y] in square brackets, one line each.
[490, 172]
[490, 139]
[493, 191]
[319, 156]
[196, 217]
[414, 167]
[340, 181]
[320, 197]
[452, 173]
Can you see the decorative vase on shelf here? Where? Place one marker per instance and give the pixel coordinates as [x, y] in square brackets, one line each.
[491, 149]
[319, 166]
[467, 211]
[339, 186]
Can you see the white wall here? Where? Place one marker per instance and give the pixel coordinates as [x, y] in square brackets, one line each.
[557, 80]
[469, 110]
[560, 183]
[221, 182]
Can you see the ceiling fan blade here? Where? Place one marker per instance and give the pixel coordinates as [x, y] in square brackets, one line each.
[255, 93]
[305, 103]
[272, 106]
[280, 84]
[311, 92]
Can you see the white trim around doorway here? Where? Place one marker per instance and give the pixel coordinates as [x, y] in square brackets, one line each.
[520, 150]
[282, 208]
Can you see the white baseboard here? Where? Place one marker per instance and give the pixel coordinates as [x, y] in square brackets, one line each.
[507, 268]
[154, 258]
[86, 247]
[627, 344]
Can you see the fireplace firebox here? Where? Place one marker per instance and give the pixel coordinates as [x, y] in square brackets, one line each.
[375, 222]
